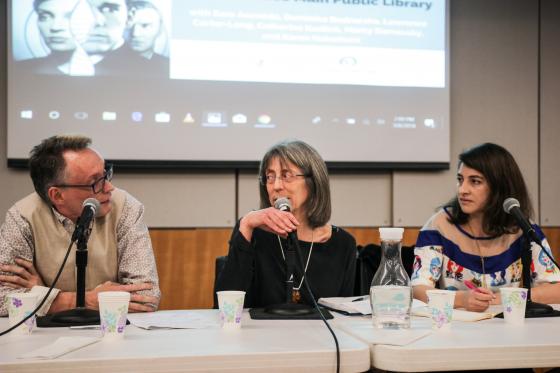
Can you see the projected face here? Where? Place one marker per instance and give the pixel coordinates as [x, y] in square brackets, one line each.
[53, 21]
[472, 190]
[145, 27]
[109, 23]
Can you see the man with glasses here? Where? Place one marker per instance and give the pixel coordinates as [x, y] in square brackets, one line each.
[34, 238]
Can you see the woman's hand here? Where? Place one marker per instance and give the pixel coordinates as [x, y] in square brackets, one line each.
[497, 299]
[269, 219]
[477, 300]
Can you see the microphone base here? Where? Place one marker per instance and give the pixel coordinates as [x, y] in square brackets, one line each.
[533, 310]
[74, 317]
[289, 311]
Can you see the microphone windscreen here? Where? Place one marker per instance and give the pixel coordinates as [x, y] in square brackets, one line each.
[93, 203]
[283, 204]
[510, 203]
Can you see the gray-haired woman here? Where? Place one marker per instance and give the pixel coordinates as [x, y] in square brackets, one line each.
[256, 260]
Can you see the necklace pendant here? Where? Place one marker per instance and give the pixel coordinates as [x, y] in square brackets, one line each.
[296, 296]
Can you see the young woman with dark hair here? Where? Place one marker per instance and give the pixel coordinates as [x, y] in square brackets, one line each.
[472, 238]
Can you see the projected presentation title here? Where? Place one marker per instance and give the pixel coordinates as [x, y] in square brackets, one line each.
[426, 5]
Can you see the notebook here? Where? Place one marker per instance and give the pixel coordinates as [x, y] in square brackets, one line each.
[361, 306]
[420, 308]
[353, 306]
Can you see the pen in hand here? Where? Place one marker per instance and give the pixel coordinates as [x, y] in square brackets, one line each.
[472, 286]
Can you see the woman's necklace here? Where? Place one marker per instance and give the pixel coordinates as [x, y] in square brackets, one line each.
[475, 238]
[296, 295]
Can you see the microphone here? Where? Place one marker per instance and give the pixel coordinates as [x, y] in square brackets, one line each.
[284, 204]
[90, 209]
[533, 309]
[512, 207]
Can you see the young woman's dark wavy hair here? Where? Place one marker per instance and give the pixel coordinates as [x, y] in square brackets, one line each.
[505, 180]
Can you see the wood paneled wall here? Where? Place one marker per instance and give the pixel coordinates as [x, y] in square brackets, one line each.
[186, 257]
[185, 260]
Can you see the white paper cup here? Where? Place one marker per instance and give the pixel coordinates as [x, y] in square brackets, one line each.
[20, 305]
[231, 308]
[113, 309]
[441, 303]
[514, 301]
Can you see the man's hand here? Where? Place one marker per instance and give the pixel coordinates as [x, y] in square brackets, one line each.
[23, 275]
[138, 303]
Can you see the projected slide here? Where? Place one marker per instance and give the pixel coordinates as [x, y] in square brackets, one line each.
[218, 82]
[91, 37]
[389, 43]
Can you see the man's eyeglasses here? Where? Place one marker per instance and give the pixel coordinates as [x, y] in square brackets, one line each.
[98, 185]
[286, 177]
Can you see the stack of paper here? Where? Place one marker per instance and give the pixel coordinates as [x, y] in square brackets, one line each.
[348, 305]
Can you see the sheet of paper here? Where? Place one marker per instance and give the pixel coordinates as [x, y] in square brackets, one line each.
[362, 306]
[171, 320]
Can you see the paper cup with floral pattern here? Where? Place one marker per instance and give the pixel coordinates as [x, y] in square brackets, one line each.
[21, 305]
[230, 304]
[440, 303]
[113, 309]
[514, 301]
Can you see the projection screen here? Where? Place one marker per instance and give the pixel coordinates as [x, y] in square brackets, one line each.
[216, 82]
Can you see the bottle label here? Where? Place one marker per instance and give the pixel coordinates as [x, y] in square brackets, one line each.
[392, 299]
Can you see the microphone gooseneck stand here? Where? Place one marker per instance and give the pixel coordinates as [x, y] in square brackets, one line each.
[80, 315]
[511, 206]
[290, 309]
[533, 309]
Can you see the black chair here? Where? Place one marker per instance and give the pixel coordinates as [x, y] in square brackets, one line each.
[368, 260]
[219, 266]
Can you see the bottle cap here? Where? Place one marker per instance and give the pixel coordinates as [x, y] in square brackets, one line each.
[391, 234]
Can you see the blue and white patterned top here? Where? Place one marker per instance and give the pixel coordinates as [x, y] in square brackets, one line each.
[439, 258]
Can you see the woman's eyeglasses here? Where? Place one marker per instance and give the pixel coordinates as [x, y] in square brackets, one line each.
[286, 177]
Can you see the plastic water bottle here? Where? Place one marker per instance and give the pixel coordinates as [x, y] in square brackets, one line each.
[390, 292]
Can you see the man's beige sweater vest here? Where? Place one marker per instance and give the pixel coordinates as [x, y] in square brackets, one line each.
[51, 240]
